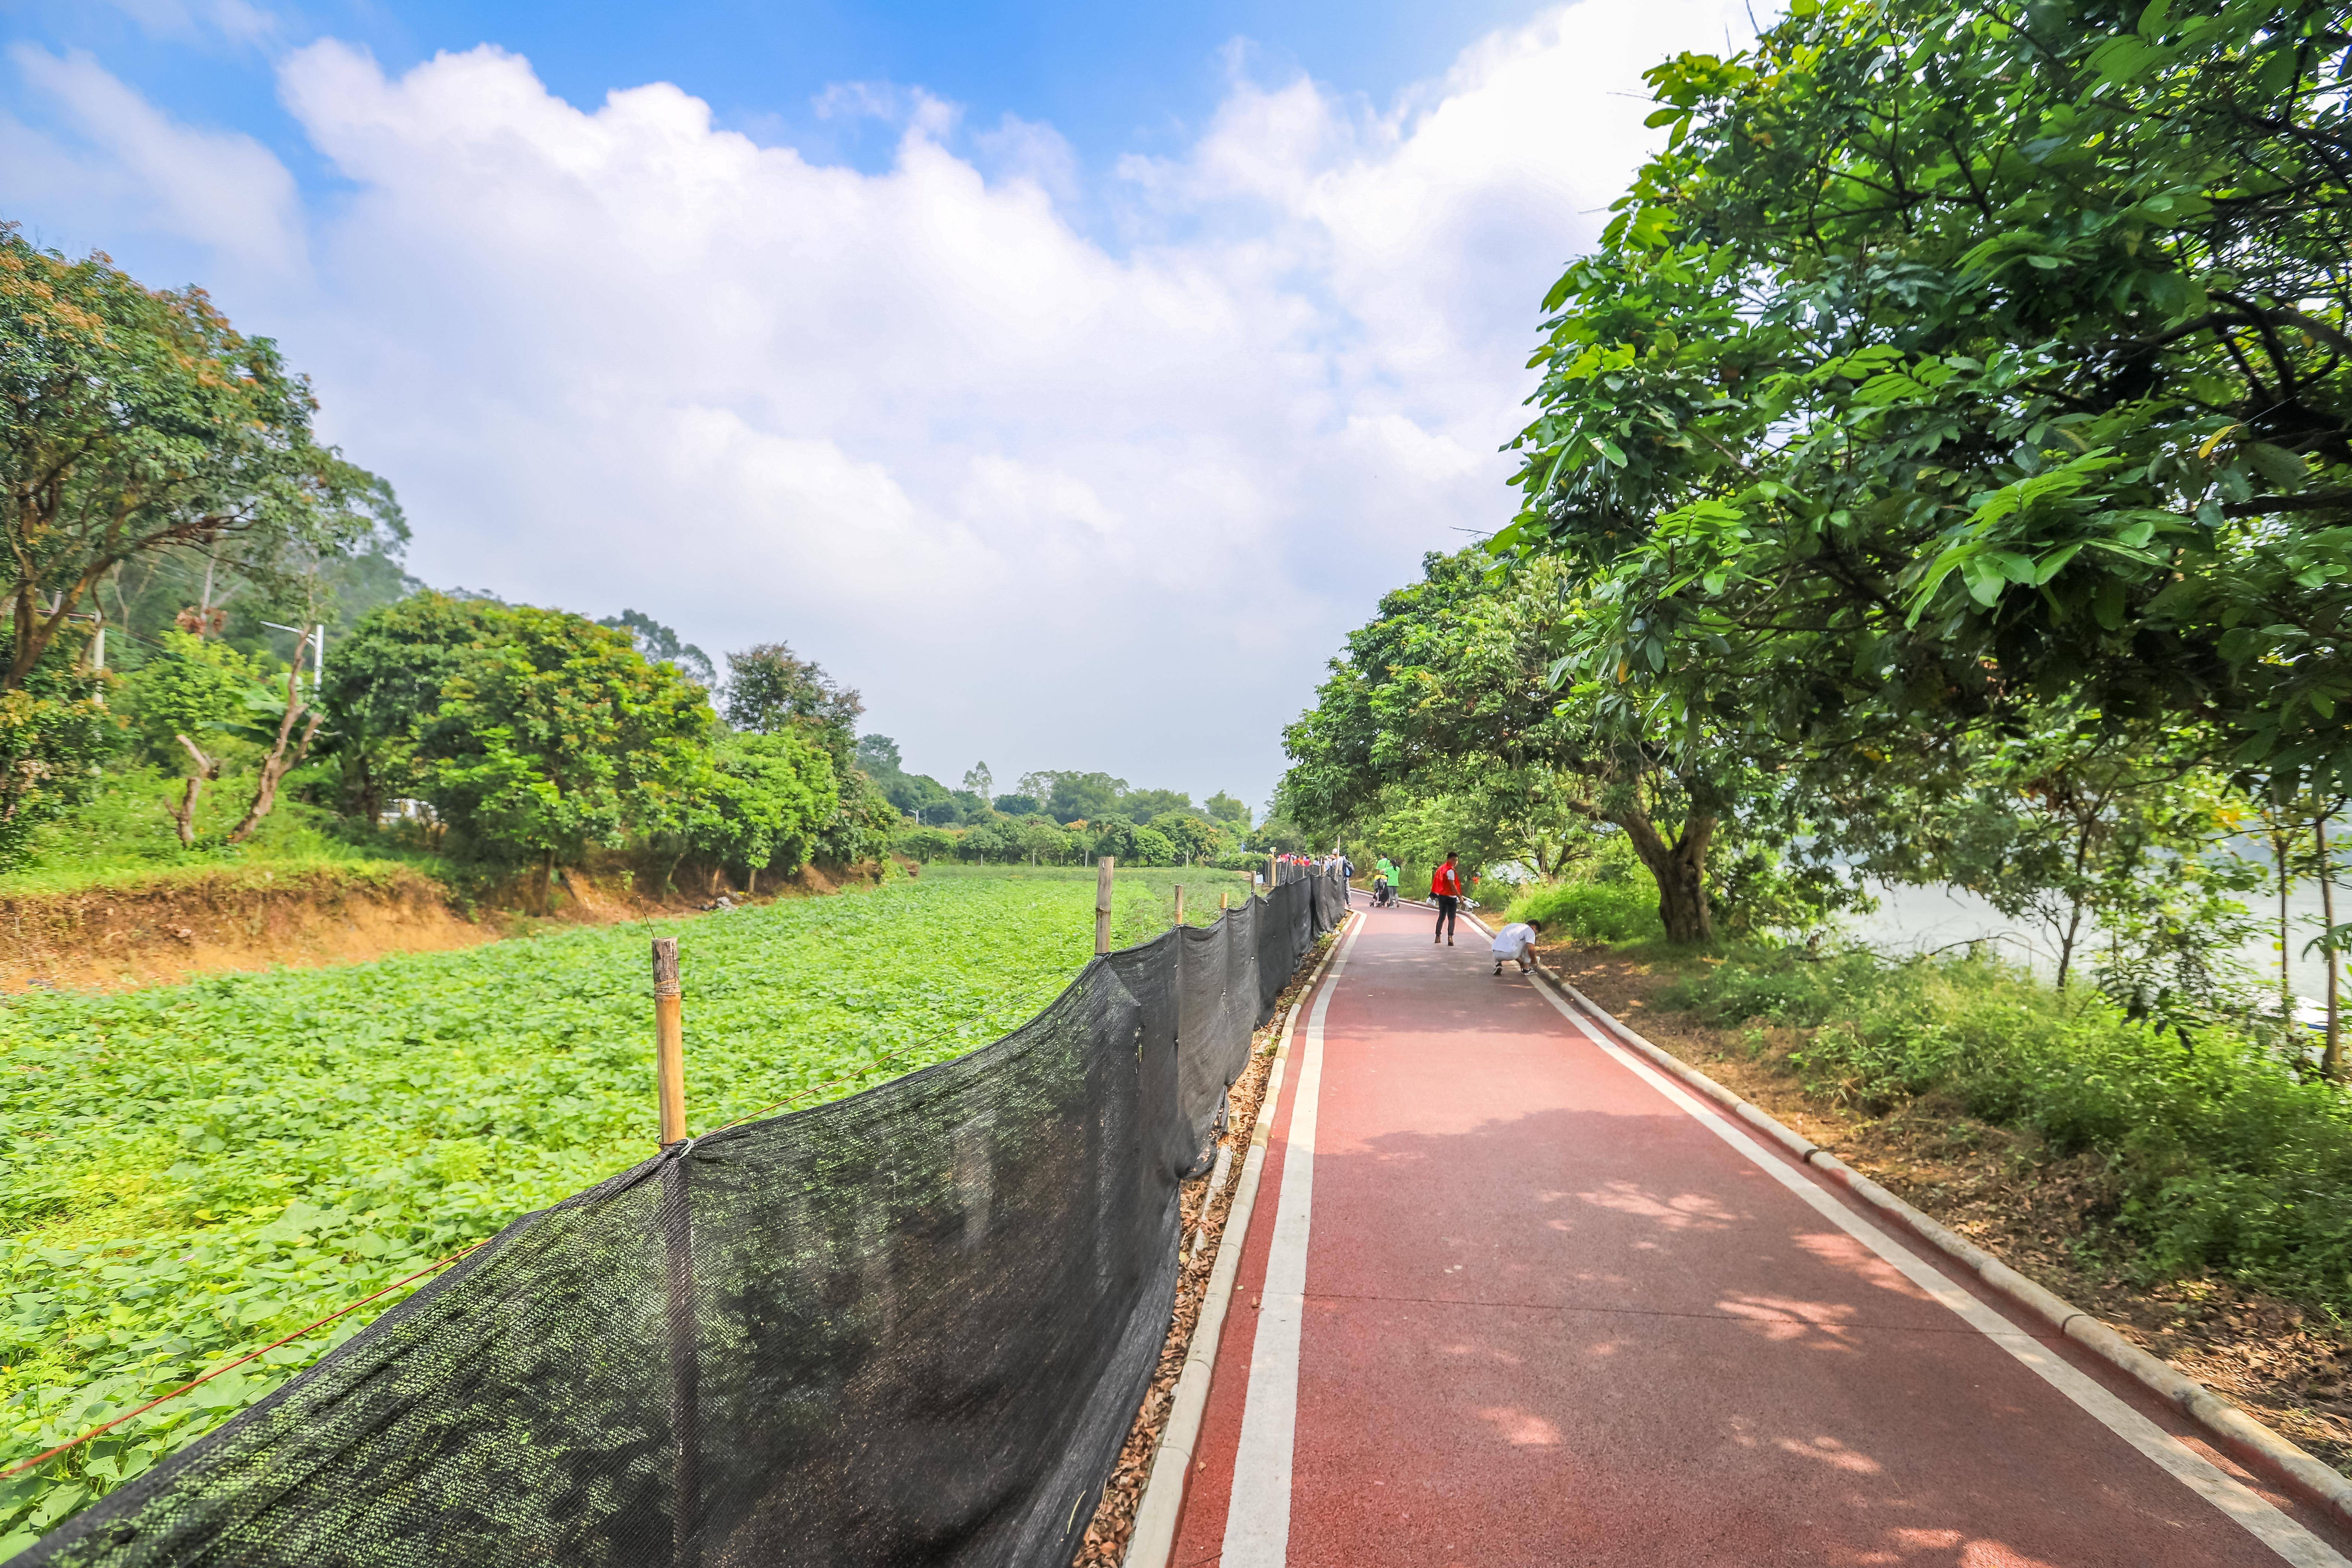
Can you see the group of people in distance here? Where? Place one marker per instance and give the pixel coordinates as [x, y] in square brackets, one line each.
[1516, 943]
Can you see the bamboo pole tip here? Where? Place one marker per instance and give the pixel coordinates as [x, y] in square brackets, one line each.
[666, 966]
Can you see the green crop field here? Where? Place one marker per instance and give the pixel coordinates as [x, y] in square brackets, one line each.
[191, 1171]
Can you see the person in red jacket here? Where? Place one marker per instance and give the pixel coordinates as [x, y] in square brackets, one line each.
[1445, 887]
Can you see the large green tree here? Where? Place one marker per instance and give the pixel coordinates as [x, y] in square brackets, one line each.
[759, 802]
[558, 734]
[385, 684]
[135, 420]
[1450, 692]
[1956, 356]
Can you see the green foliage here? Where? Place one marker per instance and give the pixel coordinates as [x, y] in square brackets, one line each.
[556, 736]
[198, 688]
[1073, 797]
[920, 795]
[191, 1171]
[385, 682]
[1131, 843]
[54, 734]
[662, 645]
[2228, 1160]
[1279, 833]
[121, 837]
[771, 690]
[1610, 900]
[1951, 356]
[138, 421]
[1445, 719]
[1191, 836]
[760, 802]
[1228, 810]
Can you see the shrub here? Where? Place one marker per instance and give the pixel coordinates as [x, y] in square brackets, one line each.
[1612, 898]
[2228, 1159]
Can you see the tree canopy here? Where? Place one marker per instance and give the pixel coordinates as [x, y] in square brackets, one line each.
[1955, 357]
[136, 420]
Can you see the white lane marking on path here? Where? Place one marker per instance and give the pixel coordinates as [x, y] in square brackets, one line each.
[1258, 1521]
[2267, 1524]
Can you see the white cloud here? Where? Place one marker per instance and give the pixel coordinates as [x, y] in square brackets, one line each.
[1049, 498]
[237, 21]
[133, 164]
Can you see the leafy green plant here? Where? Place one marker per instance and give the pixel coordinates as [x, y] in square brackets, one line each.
[189, 1171]
[54, 734]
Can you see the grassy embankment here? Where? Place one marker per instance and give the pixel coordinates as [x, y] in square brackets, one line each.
[191, 1171]
[124, 836]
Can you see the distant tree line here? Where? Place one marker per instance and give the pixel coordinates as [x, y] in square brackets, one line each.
[1061, 817]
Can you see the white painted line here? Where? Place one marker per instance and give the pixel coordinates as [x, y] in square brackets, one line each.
[1153, 1538]
[1257, 1522]
[2274, 1530]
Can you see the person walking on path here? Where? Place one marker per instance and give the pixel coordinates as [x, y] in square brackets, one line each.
[1517, 941]
[1445, 887]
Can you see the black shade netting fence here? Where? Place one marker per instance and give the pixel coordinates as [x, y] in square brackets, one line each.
[912, 1326]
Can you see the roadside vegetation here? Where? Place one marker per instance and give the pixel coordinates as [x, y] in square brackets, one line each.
[191, 1171]
[2225, 1160]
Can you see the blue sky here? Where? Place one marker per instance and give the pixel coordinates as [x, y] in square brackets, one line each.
[1111, 78]
[1015, 361]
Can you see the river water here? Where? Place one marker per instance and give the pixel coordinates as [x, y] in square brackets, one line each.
[1920, 919]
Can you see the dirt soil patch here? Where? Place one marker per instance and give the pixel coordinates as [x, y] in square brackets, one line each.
[153, 931]
[1202, 1233]
[2041, 1214]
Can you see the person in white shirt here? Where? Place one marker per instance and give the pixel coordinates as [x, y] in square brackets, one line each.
[1517, 941]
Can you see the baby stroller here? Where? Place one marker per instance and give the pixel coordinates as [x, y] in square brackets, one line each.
[1382, 894]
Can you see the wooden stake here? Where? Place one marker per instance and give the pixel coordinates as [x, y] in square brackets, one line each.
[1222, 897]
[669, 1040]
[1102, 904]
[1180, 903]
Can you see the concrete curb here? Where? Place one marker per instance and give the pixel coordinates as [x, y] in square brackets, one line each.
[1153, 1540]
[2308, 1479]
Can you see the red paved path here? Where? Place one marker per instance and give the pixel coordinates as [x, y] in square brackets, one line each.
[1549, 1317]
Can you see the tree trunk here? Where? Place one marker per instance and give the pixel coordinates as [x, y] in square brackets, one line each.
[2066, 940]
[2279, 850]
[184, 819]
[280, 761]
[2331, 1057]
[1680, 871]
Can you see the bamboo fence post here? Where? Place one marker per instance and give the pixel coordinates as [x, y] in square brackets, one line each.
[1273, 871]
[1180, 903]
[1223, 894]
[675, 1218]
[669, 1040]
[1102, 904]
